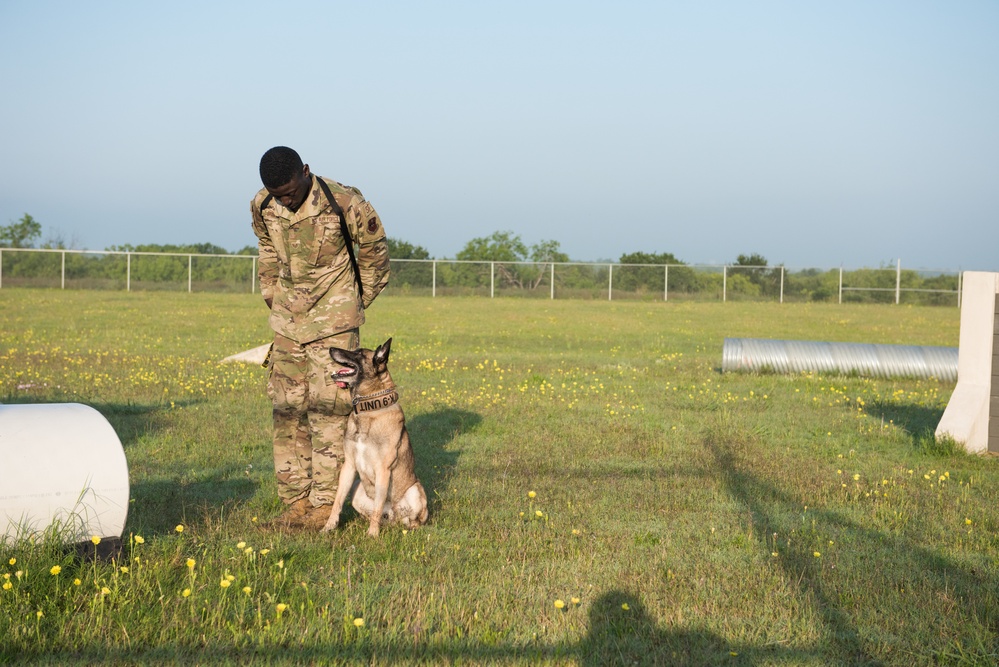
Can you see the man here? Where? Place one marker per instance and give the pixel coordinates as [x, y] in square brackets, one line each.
[317, 292]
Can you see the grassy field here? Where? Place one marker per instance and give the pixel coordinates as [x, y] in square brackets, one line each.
[600, 494]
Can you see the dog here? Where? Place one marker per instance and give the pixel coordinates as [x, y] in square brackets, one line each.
[376, 445]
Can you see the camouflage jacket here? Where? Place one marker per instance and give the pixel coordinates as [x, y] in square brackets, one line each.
[304, 266]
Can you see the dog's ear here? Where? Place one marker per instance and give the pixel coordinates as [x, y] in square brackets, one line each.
[382, 353]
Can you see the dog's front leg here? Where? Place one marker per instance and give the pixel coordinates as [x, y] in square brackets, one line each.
[382, 477]
[343, 487]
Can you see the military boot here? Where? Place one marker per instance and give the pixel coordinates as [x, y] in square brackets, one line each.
[292, 516]
[316, 518]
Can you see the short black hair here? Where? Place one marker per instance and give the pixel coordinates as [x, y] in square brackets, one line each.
[279, 166]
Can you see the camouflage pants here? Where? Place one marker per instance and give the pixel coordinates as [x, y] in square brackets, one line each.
[310, 417]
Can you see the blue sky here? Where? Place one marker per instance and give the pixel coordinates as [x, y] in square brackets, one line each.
[814, 133]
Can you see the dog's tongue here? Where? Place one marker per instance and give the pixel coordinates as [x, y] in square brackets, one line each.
[343, 371]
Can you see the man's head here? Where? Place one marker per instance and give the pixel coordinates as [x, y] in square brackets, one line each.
[285, 177]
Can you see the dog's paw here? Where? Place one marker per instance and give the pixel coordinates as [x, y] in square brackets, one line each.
[373, 530]
[329, 527]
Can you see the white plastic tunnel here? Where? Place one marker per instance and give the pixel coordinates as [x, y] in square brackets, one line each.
[62, 466]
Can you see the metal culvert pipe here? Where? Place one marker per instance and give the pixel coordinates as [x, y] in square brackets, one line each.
[63, 466]
[758, 355]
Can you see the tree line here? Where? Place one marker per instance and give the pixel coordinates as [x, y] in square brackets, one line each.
[500, 261]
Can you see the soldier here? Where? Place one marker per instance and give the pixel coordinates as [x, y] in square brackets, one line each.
[317, 289]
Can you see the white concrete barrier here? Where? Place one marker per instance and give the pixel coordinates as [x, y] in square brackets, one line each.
[62, 464]
[967, 417]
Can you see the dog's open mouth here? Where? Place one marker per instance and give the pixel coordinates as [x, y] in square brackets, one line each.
[344, 376]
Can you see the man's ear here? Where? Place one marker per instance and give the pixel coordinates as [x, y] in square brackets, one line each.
[305, 171]
[382, 353]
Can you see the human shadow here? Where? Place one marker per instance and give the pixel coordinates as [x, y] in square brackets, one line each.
[621, 632]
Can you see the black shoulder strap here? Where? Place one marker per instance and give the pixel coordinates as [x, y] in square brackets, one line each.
[345, 233]
[348, 241]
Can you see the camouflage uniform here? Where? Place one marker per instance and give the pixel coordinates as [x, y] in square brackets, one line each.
[305, 270]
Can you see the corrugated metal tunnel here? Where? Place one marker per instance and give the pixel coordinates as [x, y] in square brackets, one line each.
[757, 355]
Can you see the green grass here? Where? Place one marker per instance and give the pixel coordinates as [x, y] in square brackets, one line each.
[587, 452]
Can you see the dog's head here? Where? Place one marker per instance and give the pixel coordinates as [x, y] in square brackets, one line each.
[362, 367]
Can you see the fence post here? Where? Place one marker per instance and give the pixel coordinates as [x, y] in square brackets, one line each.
[610, 282]
[63, 283]
[960, 286]
[189, 273]
[898, 280]
[553, 281]
[1, 268]
[253, 276]
[433, 279]
[782, 284]
[841, 285]
[492, 279]
[724, 283]
[128, 272]
[666, 284]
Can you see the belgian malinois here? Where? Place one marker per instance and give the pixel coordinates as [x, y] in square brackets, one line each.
[376, 446]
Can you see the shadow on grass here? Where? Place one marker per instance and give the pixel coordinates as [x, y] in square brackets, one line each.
[432, 435]
[134, 421]
[882, 561]
[620, 632]
[919, 422]
[130, 421]
[157, 506]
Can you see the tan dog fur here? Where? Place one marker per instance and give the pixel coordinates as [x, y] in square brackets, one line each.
[376, 446]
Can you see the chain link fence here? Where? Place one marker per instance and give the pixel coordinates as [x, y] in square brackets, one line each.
[121, 270]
